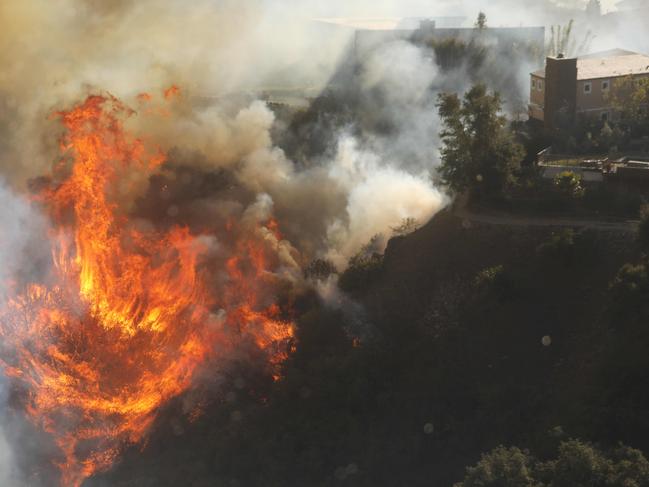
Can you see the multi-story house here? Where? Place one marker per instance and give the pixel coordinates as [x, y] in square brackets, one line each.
[570, 88]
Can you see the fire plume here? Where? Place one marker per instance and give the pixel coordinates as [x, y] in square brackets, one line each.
[124, 318]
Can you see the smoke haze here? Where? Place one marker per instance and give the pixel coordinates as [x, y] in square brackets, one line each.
[223, 55]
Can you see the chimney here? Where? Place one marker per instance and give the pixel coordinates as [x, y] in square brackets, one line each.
[560, 91]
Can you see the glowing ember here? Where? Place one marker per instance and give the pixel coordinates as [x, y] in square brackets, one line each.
[171, 92]
[123, 322]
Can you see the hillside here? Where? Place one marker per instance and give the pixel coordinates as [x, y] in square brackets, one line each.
[450, 364]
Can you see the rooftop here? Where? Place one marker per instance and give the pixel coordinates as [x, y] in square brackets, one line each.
[611, 64]
[389, 23]
[608, 64]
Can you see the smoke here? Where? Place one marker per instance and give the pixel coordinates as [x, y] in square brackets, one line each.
[22, 250]
[9, 474]
[377, 167]
[380, 196]
[23, 255]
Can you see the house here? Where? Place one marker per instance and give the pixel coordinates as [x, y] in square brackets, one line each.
[627, 5]
[569, 88]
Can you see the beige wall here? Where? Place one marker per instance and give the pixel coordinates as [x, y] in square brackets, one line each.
[597, 98]
[598, 101]
[537, 97]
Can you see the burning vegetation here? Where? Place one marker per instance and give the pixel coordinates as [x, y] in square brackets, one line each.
[127, 313]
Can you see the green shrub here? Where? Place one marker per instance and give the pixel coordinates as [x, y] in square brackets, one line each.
[560, 247]
[363, 269]
[568, 184]
[578, 464]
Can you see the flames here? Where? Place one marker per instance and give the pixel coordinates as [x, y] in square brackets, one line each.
[127, 314]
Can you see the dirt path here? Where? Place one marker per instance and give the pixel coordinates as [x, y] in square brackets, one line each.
[494, 218]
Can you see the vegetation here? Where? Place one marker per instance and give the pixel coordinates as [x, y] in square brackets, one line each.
[453, 53]
[562, 41]
[630, 97]
[406, 227]
[459, 338]
[363, 268]
[465, 338]
[320, 269]
[479, 153]
[481, 22]
[578, 464]
[560, 248]
[568, 185]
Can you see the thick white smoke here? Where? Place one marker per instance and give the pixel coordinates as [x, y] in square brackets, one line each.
[379, 196]
[22, 247]
[22, 232]
[10, 476]
[53, 53]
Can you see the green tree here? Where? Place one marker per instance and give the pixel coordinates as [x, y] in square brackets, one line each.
[479, 153]
[569, 185]
[501, 467]
[578, 464]
[629, 294]
[481, 22]
[630, 98]
[581, 464]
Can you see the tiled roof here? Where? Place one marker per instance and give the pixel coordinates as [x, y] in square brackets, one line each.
[608, 64]
[388, 23]
[611, 64]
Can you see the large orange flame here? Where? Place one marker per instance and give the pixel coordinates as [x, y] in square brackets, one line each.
[123, 322]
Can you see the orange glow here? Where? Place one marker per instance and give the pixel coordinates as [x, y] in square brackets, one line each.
[123, 323]
[273, 226]
[171, 92]
[144, 97]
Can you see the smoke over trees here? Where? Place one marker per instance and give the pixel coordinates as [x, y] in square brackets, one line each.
[327, 181]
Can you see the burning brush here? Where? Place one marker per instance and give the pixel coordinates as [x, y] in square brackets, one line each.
[127, 315]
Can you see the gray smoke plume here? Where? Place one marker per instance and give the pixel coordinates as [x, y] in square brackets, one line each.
[376, 168]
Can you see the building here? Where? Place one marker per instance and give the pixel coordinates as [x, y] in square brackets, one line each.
[627, 5]
[369, 34]
[569, 88]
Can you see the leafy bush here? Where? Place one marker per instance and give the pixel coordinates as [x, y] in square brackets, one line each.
[320, 269]
[578, 464]
[489, 275]
[629, 292]
[406, 227]
[363, 269]
[559, 247]
[502, 467]
[568, 184]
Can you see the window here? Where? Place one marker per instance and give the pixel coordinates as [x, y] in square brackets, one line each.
[588, 87]
[533, 84]
[539, 85]
[606, 84]
[604, 116]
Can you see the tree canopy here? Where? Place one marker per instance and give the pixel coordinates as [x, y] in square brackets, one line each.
[630, 97]
[578, 464]
[479, 152]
